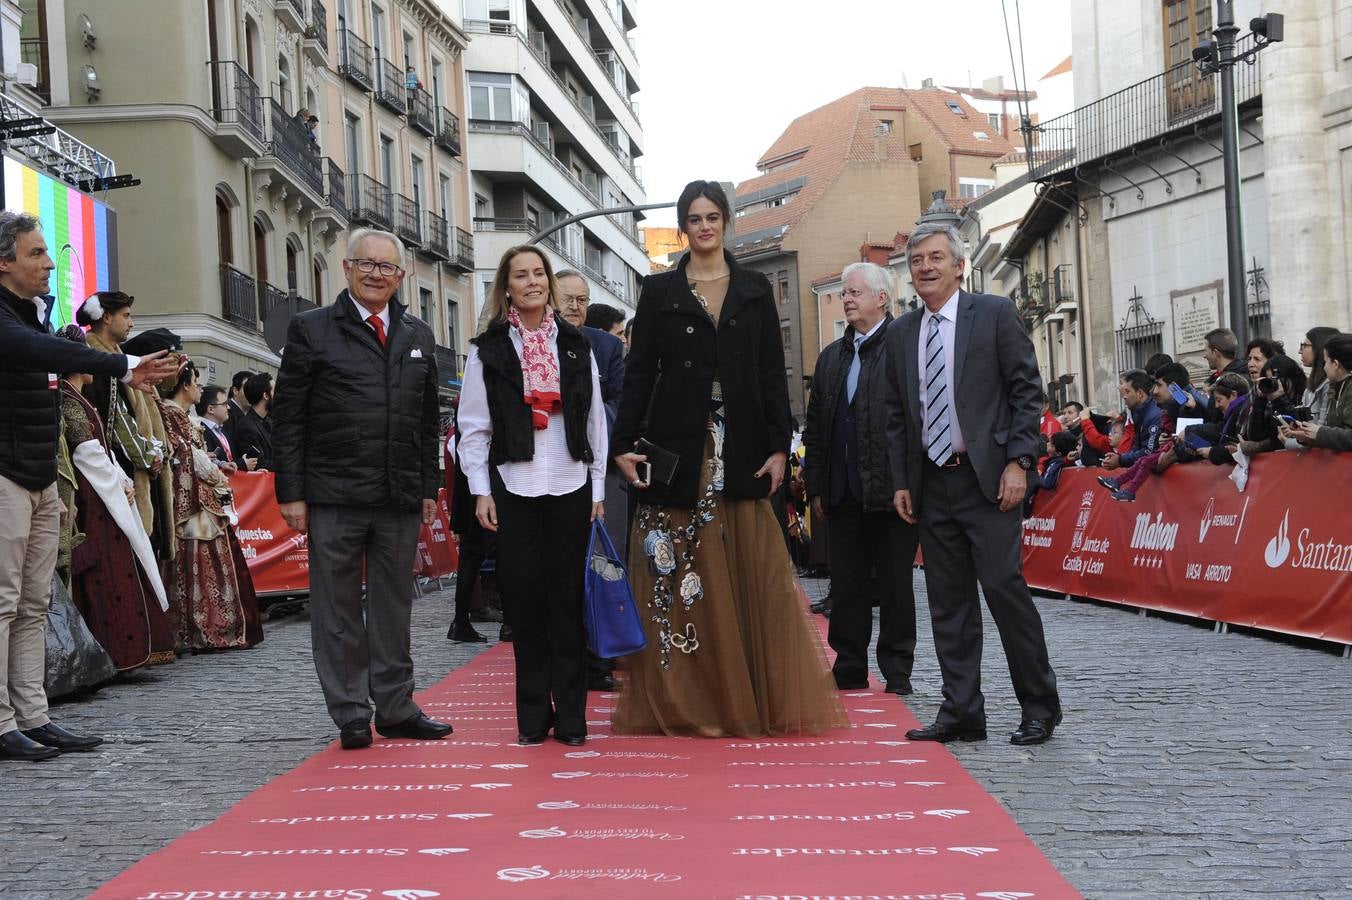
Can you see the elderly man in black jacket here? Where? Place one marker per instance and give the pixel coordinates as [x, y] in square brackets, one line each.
[355, 440]
[849, 482]
[31, 361]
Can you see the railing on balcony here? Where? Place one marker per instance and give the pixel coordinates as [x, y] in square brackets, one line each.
[462, 254]
[319, 24]
[489, 223]
[390, 86]
[493, 125]
[435, 239]
[356, 62]
[369, 202]
[408, 220]
[235, 98]
[292, 145]
[421, 111]
[239, 305]
[268, 297]
[448, 131]
[1174, 100]
[335, 187]
[297, 5]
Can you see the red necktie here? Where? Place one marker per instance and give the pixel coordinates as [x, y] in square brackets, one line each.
[379, 326]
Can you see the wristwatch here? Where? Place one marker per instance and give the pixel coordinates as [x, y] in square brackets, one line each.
[1025, 462]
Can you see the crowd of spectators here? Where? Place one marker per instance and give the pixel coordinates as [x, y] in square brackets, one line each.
[1261, 402]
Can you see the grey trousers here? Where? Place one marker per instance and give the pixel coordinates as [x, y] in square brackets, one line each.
[361, 647]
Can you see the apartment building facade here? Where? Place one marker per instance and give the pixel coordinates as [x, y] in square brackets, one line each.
[554, 132]
[241, 199]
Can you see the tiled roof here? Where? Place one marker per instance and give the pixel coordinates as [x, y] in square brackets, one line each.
[844, 130]
[1061, 68]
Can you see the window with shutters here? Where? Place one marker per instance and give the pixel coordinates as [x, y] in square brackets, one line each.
[1186, 24]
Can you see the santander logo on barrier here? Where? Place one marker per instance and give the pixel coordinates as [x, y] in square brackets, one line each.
[1279, 548]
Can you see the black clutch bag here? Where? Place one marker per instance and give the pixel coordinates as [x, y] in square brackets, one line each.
[663, 462]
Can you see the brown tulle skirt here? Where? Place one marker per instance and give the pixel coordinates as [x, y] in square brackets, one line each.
[760, 669]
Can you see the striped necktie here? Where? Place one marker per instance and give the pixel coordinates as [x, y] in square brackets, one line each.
[940, 446]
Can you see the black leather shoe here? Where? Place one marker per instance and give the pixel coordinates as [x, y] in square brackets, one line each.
[817, 607]
[572, 740]
[529, 740]
[899, 686]
[505, 634]
[465, 634]
[1035, 731]
[851, 684]
[17, 745]
[355, 734]
[601, 683]
[418, 728]
[945, 733]
[485, 614]
[53, 735]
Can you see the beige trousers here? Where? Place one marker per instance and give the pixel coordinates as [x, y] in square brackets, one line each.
[29, 527]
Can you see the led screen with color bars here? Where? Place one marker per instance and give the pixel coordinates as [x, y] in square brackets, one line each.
[81, 235]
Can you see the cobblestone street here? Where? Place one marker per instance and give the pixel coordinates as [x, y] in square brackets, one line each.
[1189, 764]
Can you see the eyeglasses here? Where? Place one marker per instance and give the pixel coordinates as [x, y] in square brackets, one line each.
[575, 300]
[853, 293]
[210, 405]
[1304, 345]
[367, 266]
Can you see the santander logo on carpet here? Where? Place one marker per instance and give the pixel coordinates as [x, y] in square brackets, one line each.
[746, 818]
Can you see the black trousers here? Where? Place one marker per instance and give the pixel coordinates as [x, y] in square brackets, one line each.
[542, 550]
[967, 541]
[476, 546]
[864, 544]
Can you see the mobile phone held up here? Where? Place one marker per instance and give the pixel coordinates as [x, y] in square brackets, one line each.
[1180, 396]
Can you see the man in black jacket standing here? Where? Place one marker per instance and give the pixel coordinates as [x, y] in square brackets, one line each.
[849, 482]
[355, 442]
[31, 361]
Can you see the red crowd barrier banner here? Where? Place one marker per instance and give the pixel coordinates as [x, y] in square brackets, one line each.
[1277, 556]
[279, 558]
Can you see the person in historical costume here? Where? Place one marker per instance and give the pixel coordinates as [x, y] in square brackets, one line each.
[114, 576]
[210, 590]
[131, 419]
[731, 651]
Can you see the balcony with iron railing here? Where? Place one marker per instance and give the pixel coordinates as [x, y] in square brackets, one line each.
[239, 298]
[316, 44]
[462, 253]
[369, 202]
[408, 220]
[237, 107]
[390, 92]
[510, 127]
[335, 187]
[422, 111]
[290, 13]
[448, 131]
[356, 61]
[436, 238]
[268, 297]
[289, 142]
[1178, 101]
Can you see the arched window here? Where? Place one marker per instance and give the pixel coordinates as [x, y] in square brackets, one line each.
[292, 264]
[251, 45]
[318, 282]
[225, 230]
[284, 83]
[261, 228]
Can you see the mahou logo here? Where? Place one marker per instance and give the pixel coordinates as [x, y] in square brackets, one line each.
[1156, 535]
[1279, 548]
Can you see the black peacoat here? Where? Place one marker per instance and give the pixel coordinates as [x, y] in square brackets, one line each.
[674, 356]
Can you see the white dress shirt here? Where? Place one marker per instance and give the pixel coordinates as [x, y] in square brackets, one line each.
[552, 470]
[948, 331]
[367, 312]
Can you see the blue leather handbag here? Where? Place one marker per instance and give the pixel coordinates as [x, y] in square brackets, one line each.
[608, 610]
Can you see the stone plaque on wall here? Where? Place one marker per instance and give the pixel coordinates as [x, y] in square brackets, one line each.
[1194, 312]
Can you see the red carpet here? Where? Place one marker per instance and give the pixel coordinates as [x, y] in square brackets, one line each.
[854, 813]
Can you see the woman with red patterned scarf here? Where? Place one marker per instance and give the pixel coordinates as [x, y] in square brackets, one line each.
[533, 447]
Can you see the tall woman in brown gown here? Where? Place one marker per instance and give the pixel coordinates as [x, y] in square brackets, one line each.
[730, 649]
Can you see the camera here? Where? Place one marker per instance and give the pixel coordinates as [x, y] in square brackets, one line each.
[1268, 385]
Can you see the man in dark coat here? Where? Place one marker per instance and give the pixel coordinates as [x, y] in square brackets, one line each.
[253, 435]
[31, 360]
[849, 481]
[355, 444]
[964, 398]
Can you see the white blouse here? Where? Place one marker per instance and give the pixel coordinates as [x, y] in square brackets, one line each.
[552, 471]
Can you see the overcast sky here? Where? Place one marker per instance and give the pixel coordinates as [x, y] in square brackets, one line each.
[721, 79]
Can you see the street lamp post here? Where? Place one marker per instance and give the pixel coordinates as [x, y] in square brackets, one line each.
[1219, 57]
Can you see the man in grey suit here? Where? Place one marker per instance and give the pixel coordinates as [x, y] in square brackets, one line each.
[355, 442]
[964, 399]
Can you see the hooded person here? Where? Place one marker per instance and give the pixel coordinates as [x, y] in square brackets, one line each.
[131, 418]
